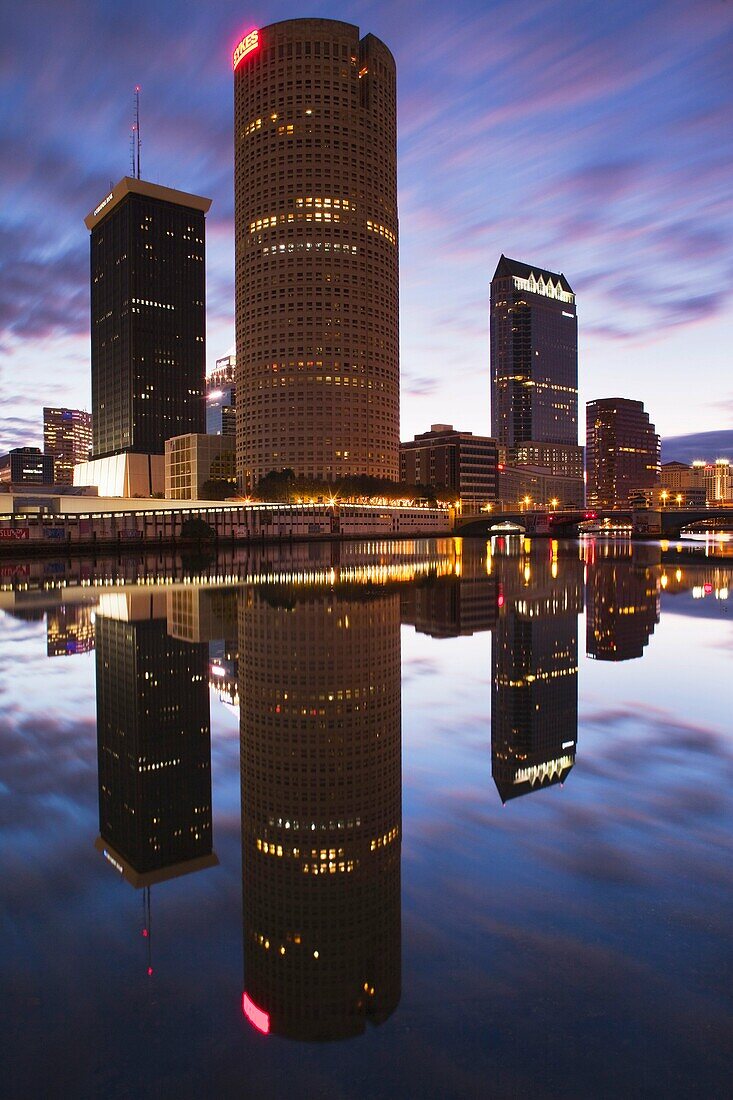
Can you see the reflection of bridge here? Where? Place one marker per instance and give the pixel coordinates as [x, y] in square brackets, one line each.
[666, 522]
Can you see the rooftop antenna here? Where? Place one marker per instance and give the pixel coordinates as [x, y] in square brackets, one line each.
[136, 130]
[132, 150]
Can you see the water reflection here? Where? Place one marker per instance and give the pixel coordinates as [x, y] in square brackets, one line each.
[534, 697]
[319, 690]
[154, 743]
[304, 646]
[623, 602]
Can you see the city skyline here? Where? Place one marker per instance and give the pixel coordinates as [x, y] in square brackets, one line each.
[627, 169]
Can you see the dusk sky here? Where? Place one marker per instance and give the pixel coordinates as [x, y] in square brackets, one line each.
[589, 138]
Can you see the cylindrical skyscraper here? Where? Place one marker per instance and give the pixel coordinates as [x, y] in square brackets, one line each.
[316, 252]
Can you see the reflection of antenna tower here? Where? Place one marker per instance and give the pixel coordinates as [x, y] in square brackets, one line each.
[147, 927]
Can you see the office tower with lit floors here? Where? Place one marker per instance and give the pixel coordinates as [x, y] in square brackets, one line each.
[148, 320]
[316, 252]
[320, 736]
[67, 435]
[534, 373]
[154, 745]
[622, 453]
[534, 696]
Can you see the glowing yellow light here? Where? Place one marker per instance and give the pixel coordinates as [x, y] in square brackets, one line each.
[663, 580]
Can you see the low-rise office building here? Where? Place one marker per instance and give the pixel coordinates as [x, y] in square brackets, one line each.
[191, 460]
[448, 460]
[26, 466]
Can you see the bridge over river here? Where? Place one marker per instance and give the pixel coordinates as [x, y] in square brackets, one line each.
[665, 523]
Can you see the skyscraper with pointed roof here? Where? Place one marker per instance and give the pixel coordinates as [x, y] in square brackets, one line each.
[534, 370]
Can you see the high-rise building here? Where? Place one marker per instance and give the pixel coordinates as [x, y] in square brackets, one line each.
[534, 698]
[622, 451]
[67, 435]
[316, 252]
[449, 460]
[148, 317]
[319, 698]
[534, 369]
[154, 745]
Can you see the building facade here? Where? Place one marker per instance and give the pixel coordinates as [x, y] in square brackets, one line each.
[718, 478]
[26, 466]
[533, 487]
[622, 451]
[221, 411]
[534, 369]
[192, 460]
[446, 459]
[316, 253]
[147, 317]
[320, 730]
[67, 436]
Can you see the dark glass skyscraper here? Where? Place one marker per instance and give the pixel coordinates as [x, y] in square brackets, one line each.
[148, 317]
[154, 750]
[534, 368]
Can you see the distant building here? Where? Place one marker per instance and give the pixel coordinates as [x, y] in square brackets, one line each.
[147, 318]
[26, 466]
[67, 436]
[718, 477]
[223, 376]
[533, 486]
[622, 451]
[192, 460]
[221, 412]
[446, 459]
[678, 477]
[69, 630]
[659, 497]
[534, 370]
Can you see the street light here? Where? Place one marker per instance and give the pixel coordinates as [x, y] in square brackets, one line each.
[678, 498]
[526, 503]
[664, 494]
[554, 502]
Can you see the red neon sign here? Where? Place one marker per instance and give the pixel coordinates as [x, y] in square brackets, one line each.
[248, 44]
[256, 1016]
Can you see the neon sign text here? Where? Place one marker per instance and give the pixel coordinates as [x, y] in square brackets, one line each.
[103, 203]
[249, 43]
[256, 1016]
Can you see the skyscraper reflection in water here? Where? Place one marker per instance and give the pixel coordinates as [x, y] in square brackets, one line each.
[153, 742]
[622, 600]
[534, 697]
[321, 809]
